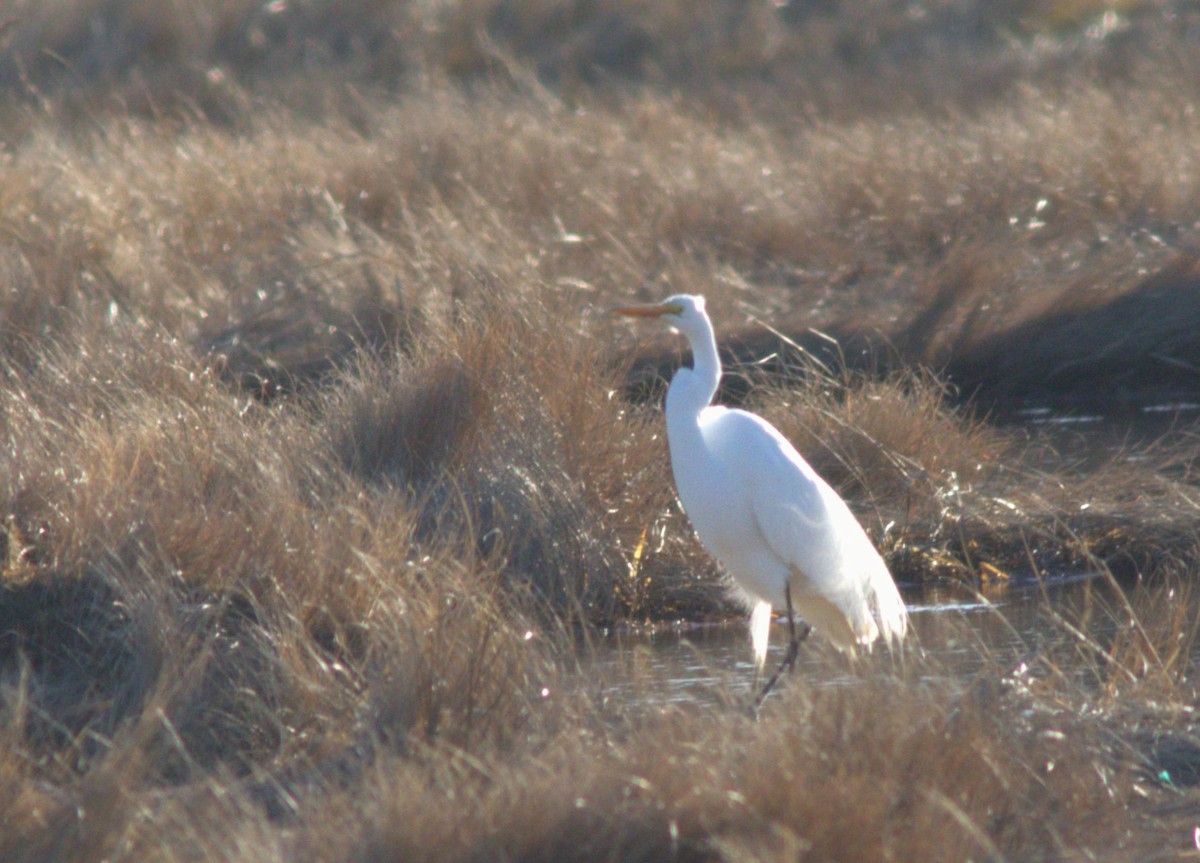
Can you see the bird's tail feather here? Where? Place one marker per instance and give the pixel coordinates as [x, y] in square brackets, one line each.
[889, 608]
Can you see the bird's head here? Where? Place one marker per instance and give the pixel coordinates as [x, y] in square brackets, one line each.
[681, 311]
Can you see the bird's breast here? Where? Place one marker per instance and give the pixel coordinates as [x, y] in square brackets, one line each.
[715, 499]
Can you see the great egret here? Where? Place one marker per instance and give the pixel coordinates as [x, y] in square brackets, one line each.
[788, 540]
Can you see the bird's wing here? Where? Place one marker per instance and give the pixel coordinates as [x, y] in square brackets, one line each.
[806, 524]
[789, 500]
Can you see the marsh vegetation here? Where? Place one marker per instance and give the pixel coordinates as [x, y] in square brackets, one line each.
[323, 467]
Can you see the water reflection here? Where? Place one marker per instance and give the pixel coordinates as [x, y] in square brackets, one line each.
[1090, 438]
[960, 632]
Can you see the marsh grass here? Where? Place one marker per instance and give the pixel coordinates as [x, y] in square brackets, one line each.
[721, 786]
[321, 464]
[900, 761]
[334, 612]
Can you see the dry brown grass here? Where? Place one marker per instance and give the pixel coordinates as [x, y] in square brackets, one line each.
[862, 772]
[1019, 763]
[319, 460]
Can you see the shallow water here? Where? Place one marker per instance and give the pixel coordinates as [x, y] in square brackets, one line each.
[959, 632]
[1088, 438]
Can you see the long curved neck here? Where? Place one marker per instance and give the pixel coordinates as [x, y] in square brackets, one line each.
[692, 390]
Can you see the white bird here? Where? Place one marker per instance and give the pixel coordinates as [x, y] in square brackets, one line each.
[785, 536]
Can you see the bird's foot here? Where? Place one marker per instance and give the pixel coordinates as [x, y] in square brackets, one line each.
[789, 659]
[786, 665]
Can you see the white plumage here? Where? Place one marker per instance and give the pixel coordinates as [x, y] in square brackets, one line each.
[758, 507]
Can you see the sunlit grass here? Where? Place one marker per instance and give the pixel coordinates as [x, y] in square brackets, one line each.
[323, 467]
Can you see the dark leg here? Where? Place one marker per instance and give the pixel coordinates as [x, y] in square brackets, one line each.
[793, 650]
